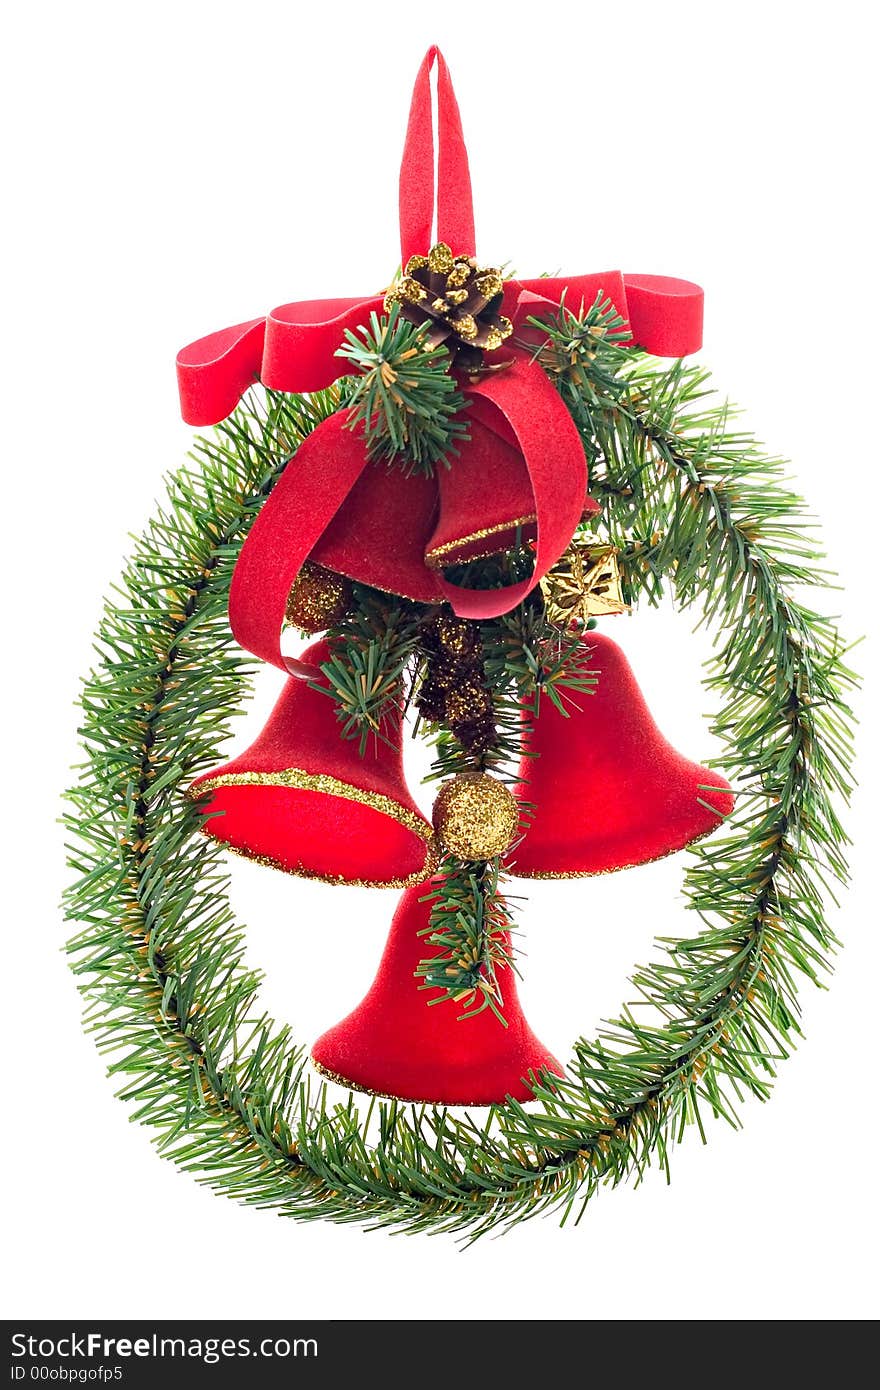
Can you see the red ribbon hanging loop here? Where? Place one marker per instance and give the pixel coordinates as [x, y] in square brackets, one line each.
[455, 204]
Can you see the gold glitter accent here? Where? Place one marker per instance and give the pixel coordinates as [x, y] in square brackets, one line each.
[297, 779]
[456, 296]
[339, 1080]
[318, 598]
[415, 263]
[467, 702]
[456, 635]
[440, 258]
[458, 276]
[446, 674]
[514, 872]
[465, 327]
[489, 283]
[409, 290]
[475, 816]
[440, 306]
[585, 583]
[438, 556]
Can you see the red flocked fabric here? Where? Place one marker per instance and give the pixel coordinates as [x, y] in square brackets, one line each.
[295, 347]
[455, 206]
[608, 790]
[482, 496]
[319, 833]
[529, 411]
[214, 372]
[372, 522]
[396, 1044]
[304, 501]
[380, 532]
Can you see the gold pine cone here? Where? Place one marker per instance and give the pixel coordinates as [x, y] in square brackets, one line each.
[467, 702]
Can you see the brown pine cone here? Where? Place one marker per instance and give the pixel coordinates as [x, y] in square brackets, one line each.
[459, 299]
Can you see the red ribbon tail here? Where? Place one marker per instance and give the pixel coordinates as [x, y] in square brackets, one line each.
[303, 502]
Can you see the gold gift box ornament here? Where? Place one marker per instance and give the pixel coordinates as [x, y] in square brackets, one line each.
[584, 584]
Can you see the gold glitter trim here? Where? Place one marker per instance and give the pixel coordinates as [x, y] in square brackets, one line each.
[399, 593]
[340, 1080]
[296, 779]
[435, 557]
[602, 873]
[432, 859]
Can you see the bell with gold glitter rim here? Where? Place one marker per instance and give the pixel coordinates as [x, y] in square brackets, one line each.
[303, 799]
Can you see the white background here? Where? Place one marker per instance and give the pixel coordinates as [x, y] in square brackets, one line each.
[175, 168]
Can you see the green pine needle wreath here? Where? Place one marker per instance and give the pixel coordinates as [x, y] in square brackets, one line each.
[692, 505]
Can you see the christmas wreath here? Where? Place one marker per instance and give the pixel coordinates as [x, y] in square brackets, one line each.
[448, 485]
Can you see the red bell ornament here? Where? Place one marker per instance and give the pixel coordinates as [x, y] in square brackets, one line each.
[379, 534]
[608, 791]
[485, 499]
[302, 798]
[397, 1043]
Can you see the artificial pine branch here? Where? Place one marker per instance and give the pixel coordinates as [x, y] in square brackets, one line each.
[527, 658]
[161, 965]
[586, 355]
[403, 394]
[372, 648]
[513, 660]
[470, 924]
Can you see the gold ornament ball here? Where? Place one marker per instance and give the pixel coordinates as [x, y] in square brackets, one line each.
[475, 816]
[319, 598]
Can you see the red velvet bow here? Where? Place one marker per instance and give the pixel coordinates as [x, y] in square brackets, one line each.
[294, 349]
